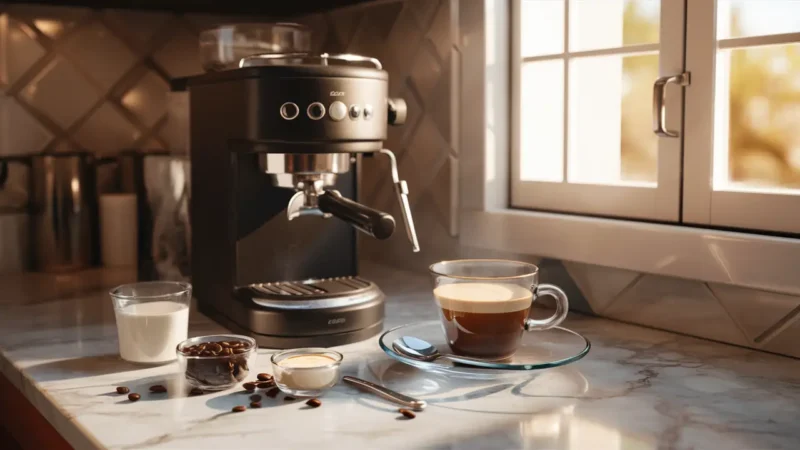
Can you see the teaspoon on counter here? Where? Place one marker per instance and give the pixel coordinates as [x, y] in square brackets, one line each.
[416, 348]
[386, 393]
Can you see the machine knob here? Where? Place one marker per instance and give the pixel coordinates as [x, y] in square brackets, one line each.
[315, 111]
[337, 111]
[398, 110]
[289, 110]
[368, 112]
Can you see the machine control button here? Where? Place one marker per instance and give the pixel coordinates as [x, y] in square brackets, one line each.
[355, 111]
[368, 112]
[337, 111]
[316, 111]
[289, 111]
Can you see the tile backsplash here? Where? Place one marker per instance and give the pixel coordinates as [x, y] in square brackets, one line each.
[78, 78]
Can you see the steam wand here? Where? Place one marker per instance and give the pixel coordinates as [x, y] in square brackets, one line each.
[401, 189]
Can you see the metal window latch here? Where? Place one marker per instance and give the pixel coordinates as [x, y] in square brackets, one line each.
[659, 102]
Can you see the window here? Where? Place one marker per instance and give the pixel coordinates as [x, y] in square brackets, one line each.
[742, 135]
[583, 74]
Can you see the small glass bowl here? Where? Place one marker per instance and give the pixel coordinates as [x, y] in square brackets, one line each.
[215, 373]
[309, 381]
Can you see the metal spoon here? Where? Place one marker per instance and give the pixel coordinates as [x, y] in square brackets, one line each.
[388, 394]
[416, 348]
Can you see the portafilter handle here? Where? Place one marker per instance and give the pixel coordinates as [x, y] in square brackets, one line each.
[377, 224]
[401, 190]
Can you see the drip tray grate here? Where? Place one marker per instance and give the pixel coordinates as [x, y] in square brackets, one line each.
[315, 288]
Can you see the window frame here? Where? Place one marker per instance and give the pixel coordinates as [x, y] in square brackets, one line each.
[486, 220]
[657, 203]
[702, 205]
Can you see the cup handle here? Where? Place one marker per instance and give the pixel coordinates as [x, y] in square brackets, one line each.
[562, 308]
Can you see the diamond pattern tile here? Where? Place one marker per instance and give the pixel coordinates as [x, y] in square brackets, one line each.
[425, 71]
[344, 23]
[403, 44]
[423, 10]
[106, 131]
[675, 304]
[785, 342]
[52, 21]
[19, 131]
[60, 92]
[180, 56]
[100, 54]
[600, 285]
[139, 28]
[19, 49]
[376, 23]
[755, 311]
[439, 31]
[148, 98]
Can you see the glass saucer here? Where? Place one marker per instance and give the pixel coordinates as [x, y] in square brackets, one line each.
[555, 347]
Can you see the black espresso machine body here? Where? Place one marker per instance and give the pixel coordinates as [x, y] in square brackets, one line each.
[275, 152]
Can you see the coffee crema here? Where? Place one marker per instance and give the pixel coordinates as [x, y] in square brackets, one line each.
[483, 319]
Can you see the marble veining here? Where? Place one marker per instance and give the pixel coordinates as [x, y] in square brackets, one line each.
[637, 389]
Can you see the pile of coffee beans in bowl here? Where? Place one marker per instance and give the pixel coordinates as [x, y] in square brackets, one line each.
[216, 362]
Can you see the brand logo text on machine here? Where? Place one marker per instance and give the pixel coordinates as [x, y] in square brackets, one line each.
[338, 321]
[337, 93]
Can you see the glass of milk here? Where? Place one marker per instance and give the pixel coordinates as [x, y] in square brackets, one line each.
[152, 319]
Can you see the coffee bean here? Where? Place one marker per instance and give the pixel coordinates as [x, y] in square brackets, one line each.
[288, 398]
[272, 393]
[226, 352]
[215, 348]
[264, 377]
[157, 389]
[249, 386]
[407, 413]
[239, 350]
[239, 408]
[255, 404]
[133, 397]
[314, 403]
[123, 390]
[255, 398]
[196, 391]
[266, 384]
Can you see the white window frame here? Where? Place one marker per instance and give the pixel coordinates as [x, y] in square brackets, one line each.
[486, 221]
[660, 202]
[701, 203]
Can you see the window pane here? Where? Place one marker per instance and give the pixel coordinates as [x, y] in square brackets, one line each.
[757, 137]
[542, 27]
[595, 24]
[610, 136]
[742, 18]
[542, 121]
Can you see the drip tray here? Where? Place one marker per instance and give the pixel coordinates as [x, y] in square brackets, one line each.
[312, 294]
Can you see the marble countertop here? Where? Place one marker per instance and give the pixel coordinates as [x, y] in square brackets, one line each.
[637, 389]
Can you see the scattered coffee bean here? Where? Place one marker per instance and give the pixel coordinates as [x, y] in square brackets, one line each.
[407, 413]
[133, 397]
[255, 398]
[314, 403]
[196, 391]
[255, 404]
[265, 385]
[264, 377]
[215, 348]
[272, 393]
[289, 398]
[157, 389]
[123, 390]
[249, 386]
[239, 408]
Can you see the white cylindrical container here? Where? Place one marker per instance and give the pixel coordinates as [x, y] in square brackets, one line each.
[118, 230]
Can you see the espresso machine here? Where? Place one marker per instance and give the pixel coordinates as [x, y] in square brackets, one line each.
[276, 151]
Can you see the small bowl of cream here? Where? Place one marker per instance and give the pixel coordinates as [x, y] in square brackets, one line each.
[306, 372]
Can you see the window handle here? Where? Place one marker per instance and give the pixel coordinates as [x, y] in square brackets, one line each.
[659, 102]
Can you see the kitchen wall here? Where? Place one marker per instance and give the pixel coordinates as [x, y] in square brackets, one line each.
[74, 78]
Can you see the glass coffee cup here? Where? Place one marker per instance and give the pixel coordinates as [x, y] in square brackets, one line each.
[484, 305]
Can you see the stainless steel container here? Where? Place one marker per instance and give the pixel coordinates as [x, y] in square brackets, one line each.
[63, 211]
